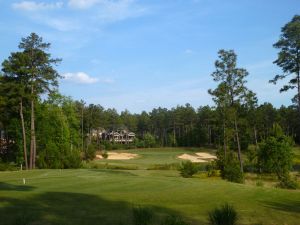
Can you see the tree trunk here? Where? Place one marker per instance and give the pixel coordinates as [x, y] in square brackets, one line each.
[255, 137]
[32, 138]
[298, 87]
[238, 145]
[24, 135]
[224, 140]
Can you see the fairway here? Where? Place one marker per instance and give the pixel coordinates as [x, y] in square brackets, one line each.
[103, 196]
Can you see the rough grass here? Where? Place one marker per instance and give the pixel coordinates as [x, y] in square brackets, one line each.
[106, 196]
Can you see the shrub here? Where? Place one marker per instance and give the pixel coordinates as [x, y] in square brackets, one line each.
[275, 153]
[225, 215]
[142, 215]
[7, 166]
[211, 169]
[188, 169]
[174, 220]
[230, 167]
[259, 183]
[90, 153]
[232, 172]
[149, 140]
[288, 183]
[104, 154]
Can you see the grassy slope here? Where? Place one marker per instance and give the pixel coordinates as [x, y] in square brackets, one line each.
[107, 196]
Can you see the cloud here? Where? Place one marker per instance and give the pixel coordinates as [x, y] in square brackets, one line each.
[82, 4]
[80, 78]
[34, 6]
[188, 51]
[60, 24]
[108, 10]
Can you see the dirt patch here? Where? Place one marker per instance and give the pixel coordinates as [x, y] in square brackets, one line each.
[118, 156]
[198, 157]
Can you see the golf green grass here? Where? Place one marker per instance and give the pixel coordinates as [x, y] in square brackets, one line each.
[101, 196]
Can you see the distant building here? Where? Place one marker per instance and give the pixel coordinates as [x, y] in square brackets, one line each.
[122, 136]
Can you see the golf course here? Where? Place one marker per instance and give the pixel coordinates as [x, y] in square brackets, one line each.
[107, 192]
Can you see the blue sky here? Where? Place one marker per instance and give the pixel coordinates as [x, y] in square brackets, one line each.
[140, 54]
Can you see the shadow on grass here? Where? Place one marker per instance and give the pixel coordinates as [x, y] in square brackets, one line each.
[69, 208]
[11, 187]
[292, 206]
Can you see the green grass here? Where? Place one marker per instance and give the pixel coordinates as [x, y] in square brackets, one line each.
[90, 196]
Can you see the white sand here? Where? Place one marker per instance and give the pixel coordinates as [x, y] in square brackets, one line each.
[205, 155]
[199, 157]
[118, 156]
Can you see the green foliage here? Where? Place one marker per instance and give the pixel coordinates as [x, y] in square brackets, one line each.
[188, 169]
[90, 152]
[259, 183]
[230, 167]
[149, 141]
[142, 215]
[174, 220]
[57, 131]
[288, 183]
[225, 215]
[212, 169]
[104, 154]
[275, 153]
[4, 166]
[288, 57]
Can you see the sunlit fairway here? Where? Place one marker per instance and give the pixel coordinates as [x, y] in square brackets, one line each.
[106, 196]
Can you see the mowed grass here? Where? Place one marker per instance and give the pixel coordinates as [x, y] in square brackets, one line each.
[100, 196]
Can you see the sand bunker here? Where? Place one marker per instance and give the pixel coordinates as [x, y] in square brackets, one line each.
[199, 157]
[118, 156]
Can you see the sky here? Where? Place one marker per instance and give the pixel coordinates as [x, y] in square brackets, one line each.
[141, 54]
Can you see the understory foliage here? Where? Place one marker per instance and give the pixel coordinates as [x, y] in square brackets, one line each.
[188, 169]
[275, 156]
[224, 215]
[229, 167]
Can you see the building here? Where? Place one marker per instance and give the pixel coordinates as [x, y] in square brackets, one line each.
[121, 136]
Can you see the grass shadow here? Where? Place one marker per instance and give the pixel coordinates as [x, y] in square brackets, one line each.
[292, 206]
[12, 187]
[57, 208]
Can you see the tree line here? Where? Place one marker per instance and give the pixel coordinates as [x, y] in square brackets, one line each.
[40, 127]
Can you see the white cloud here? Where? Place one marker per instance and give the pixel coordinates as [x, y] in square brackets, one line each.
[82, 4]
[188, 51]
[80, 78]
[36, 6]
[60, 24]
[108, 10]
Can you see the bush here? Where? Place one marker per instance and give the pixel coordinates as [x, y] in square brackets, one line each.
[90, 153]
[232, 172]
[104, 155]
[211, 169]
[259, 183]
[188, 169]
[7, 166]
[174, 220]
[275, 153]
[288, 183]
[142, 215]
[225, 215]
[230, 167]
[149, 140]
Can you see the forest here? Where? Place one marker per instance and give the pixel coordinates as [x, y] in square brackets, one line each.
[40, 128]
